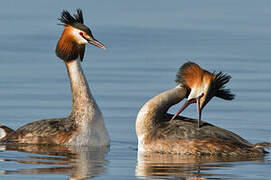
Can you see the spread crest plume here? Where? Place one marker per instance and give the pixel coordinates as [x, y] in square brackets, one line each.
[67, 19]
[217, 84]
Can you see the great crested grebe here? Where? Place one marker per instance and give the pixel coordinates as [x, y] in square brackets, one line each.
[158, 132]
[202, 86]
[85, 124]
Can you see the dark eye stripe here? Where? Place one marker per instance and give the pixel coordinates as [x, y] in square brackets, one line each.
[81, 33]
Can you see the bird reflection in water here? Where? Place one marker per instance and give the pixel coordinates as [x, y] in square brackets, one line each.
[75, 162]
[152, 165]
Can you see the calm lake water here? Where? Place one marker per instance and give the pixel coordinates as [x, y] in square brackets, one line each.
[148, 41]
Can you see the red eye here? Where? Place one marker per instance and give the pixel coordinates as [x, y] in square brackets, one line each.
[81, 33]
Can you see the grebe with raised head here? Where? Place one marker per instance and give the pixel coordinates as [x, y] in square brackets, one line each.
[157, 131]
[85, 125]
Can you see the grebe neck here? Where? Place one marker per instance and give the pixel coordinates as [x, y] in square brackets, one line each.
[154, 110]
[83, 101]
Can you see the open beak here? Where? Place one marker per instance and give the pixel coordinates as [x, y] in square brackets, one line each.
[187, 103]
[96, 43]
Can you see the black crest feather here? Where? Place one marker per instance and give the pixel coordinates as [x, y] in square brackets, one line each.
[67, 19]
[219, 84]
[76, 21]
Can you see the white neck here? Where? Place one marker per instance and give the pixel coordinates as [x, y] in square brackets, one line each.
[85, 111]
[82, 99]
[154, 110]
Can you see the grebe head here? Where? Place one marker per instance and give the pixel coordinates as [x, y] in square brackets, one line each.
[74, 37]
[202, 85]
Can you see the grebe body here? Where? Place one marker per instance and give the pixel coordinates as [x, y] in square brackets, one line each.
[85, 125]
[158, 131]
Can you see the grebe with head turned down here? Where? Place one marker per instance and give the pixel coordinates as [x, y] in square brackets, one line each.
[85, 124]
[158, 131]
[202, 86]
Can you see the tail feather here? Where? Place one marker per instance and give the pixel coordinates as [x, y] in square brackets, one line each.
[4, 132]
[262, 145]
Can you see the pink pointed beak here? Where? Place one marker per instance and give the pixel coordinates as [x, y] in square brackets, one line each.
[183, 107]
[187, 103]
[96, 43]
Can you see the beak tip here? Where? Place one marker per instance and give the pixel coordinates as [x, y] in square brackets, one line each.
[97, 43]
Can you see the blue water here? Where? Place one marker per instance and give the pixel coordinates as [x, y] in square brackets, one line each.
[148, 41]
